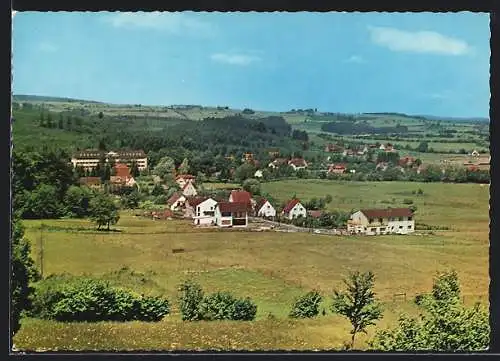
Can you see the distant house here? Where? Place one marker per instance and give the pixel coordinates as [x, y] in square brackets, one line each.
[382, 166]
[182, 179]
[348, 153]
[297, 163]
[231, 214]
[258, 174]
[273, 153]
[406, 161]
[204, 212]
[91, 182]
[189, 190]
[176, 201]
[337, 168]
[294, 209]
[333, 148]
[119, 181]
[190, 205]
[162, 214]
[382, 221]
[278, 162]
[239, 196]
[265, 209]
[121, 170]
[475, 153]
[389, 148]
[247, 157]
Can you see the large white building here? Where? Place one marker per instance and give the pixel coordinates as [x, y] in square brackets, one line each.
[382, 221]
[231, 214]
[204, 212]
[89, 159]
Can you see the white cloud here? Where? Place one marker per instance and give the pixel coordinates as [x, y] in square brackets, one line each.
[418, 41]
[47, 47]
[171, 22]
[235, 59]
[355, 59]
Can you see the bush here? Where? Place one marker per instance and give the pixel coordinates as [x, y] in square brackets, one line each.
[190, 301]
[243, 310]
[217, 306]
[63, 298]
[306, 306]
[408, 201]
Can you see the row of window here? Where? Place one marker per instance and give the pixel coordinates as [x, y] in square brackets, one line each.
[391, 219]
[382, 229]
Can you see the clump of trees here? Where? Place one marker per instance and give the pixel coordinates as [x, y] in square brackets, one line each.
[71, 299]
[445, 323]
[195, 306]
[103, 210]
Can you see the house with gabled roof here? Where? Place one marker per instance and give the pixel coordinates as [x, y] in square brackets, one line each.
[231, 214]
[204, 212]
[176, 201]
[382, 221]
[91, 182]
[189, 190]
[297, 163]
[278, 162]
[241, 196]
[264, 208]
[294, 209]
[337, 168]
[190, 205]
[183, 179]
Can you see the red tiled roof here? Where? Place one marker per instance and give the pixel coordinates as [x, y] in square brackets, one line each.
[232, 207]
[194, 201]
[174, 198]
[315, 214]
[90, 180]
[298, 162]
[185, 176]
[186, 185]
[241, 196]
[122, 170]
[290, 205]
[337, 166]
[386, 213]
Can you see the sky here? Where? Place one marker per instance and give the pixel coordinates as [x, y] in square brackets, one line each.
[413, 63]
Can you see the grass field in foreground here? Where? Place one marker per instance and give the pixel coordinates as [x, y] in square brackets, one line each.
[271, 268]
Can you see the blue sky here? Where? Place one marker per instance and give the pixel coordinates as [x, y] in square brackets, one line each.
[416, 63]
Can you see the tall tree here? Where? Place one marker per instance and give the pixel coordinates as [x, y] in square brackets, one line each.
[358, 303]
[165, 169]
[23, 272]
[103, 211]
[184, 167]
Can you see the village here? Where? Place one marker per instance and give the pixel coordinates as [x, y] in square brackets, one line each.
[242, 210]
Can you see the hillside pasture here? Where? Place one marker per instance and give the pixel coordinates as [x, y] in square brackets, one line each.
[270, 267]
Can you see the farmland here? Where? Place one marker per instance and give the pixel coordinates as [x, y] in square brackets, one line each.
[270, 267]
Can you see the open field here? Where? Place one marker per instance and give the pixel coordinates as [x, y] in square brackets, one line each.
[271, 268]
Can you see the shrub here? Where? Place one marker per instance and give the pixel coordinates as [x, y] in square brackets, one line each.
[217, 306]
[190, 301]
[224, 306]
[64, 298]
[306, 306]
[243, 310]
[408, 201]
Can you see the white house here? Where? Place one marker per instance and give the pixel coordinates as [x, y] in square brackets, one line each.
[176, 201]
[382, 221]
[189, 190]
[204, 212]
[258, 174]
[297, 163]
[231, 214]
[183, 179]
[278, 162]
[475, 153]
[265, 209]
[294, 209]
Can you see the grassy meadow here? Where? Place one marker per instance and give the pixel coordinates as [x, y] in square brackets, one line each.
[270, 267]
